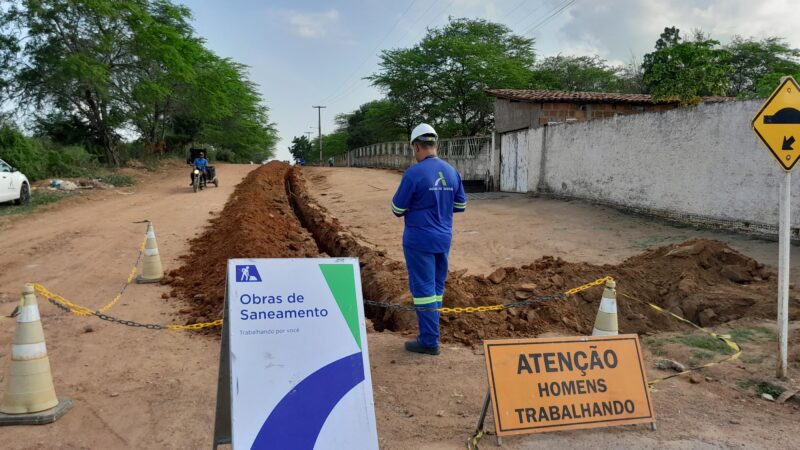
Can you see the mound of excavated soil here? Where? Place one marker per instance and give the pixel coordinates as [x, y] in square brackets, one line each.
[704, 281]
[257, 222]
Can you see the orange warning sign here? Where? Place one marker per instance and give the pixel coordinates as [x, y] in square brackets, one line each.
[554, 384]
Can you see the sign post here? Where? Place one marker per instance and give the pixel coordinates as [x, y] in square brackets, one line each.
[777, 124]
[542, 385]
[298, 362]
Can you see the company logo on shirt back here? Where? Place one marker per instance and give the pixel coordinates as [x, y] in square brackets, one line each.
[440, 180]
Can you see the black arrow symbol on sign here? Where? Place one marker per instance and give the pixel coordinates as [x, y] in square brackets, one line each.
[787, 143]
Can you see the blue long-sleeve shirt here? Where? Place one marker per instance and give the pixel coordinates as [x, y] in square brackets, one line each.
[428, 195]
[201, 163]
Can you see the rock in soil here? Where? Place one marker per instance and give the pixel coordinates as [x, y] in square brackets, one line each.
[668, 364]
[523, 295]
[497, 276]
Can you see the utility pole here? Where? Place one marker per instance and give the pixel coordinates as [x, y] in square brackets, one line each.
[319, 127]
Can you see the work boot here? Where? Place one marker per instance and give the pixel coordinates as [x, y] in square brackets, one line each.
[415, 347]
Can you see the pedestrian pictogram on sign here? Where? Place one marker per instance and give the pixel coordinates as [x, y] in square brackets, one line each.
[777, 124]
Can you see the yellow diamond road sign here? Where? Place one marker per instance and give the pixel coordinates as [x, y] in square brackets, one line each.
[778, 124]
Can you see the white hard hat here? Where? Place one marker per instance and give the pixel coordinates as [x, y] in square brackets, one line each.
[425, 130]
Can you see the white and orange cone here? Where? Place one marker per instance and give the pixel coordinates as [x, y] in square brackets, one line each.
[30, 383]
[152, 271]
[606, 322]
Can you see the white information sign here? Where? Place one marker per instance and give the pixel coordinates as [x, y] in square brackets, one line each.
[300, 373]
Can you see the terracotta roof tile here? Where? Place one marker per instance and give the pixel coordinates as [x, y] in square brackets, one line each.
[584, 97]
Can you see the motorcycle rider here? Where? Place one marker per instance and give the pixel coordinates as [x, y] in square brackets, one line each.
[200, 164]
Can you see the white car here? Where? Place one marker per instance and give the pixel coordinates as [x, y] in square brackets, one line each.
[14, 186]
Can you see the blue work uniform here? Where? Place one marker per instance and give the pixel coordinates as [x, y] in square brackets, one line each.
[428, 195]
[201, 164]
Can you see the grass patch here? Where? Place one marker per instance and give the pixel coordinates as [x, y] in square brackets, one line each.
[761, 387]
[37, 199]
[769, 388]
[117, 179]
[657, 240]
[701, 355]
[753, 334]
[767, 333]
[705, 343]
[656, 346]
[742, 334]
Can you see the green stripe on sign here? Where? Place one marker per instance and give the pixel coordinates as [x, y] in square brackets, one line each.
[342, 283]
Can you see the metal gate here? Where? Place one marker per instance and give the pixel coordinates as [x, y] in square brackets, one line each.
[514, 162]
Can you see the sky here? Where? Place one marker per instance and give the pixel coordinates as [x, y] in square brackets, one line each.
[303, 53]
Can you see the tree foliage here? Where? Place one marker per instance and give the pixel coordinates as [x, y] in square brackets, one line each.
[756, 64]
[442, 79]
[375, 121]
[107, 65]
[578, 73]
[300, 148]
[686, 69]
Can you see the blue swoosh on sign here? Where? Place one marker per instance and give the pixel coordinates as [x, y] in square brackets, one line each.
[298, 418]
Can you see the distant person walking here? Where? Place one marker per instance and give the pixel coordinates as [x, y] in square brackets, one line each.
[428, 195]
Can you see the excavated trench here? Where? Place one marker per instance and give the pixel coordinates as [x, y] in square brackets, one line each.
[271, 214]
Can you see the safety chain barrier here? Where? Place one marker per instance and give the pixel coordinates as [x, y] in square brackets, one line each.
[737, 351]
[499, 307]
[83, 311]
[79, 310]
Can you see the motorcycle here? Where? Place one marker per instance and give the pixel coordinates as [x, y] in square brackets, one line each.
[200, 180]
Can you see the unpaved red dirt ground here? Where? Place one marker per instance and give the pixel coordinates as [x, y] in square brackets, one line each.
[142, 389]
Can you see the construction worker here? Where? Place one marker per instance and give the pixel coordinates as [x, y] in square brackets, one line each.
[428, 195]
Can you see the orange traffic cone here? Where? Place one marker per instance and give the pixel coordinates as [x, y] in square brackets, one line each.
[606, 322]
[30, 397]
[152, 272]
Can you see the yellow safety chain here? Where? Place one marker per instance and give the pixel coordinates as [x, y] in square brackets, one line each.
[470, 309]
[723, 337]
[194, 326]
[477, 309]
[588, 286]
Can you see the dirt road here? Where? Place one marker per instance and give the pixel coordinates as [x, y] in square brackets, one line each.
[135, 388]
[132, 388]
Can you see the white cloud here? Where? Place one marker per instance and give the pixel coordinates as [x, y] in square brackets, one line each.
[312, 25]
[617, 28]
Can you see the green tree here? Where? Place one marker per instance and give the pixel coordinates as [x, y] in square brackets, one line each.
[373, 122]
[136, 64]
[686, 70]
[757, 64]
[443, 78]
[74, 57]
[577, 73]
[300, 148]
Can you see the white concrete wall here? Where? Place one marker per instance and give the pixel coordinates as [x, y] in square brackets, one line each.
[703, 161]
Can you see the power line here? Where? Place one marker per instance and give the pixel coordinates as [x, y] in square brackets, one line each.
[356, 82]
[391, 30]
[527, 16]
[513, 9]
[549, 18]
